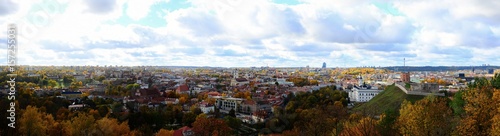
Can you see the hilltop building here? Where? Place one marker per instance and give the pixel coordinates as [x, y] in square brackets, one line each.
[405, 77]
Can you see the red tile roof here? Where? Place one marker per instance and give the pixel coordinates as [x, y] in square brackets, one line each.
[179, 131]
[182, 88]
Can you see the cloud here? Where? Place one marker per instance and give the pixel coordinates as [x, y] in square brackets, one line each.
[200, 24]
[139, 9]
[101, 6]
[8, 7]
[263, 32]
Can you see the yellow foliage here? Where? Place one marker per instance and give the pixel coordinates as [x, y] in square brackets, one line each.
[164, 132]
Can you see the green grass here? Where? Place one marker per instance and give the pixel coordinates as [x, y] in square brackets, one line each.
[389, 99]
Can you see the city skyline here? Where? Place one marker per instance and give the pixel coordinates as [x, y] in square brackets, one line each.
[239, 33]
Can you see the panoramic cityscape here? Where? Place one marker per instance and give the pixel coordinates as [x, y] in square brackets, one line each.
[261, 67]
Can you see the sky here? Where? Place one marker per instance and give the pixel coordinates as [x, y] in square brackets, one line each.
[246, 33]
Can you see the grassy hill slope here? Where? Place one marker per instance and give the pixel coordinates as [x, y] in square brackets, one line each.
[389, 99]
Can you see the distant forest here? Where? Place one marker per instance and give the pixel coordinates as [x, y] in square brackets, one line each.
[439, 68]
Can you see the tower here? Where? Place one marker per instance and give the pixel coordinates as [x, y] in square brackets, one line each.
[405, 76]
[324, 65]
[236, 74]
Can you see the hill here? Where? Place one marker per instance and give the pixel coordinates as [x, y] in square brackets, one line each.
[389, 99]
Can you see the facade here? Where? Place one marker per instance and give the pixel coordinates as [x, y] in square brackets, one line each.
[239, 81]
[206, 107]
[228, 103]
[405, 77]
[425, 87]
[358, 94]
[184, 131]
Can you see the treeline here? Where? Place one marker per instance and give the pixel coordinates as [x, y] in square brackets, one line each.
[472, 111]
[316, 113]
[299, 81]
[101, 119]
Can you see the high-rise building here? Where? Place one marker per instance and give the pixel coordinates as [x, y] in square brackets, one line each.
[324, 65]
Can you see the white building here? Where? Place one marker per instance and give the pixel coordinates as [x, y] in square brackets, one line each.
[362, 94]
[228, 103]
[206, 108]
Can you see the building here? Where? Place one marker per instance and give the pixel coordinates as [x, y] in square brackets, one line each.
[206, 107]
[239, 81]
[228, 103]
[405, 77]
[71, 95]
[76, 107]
[183, 89]
[362, 94]
[425, 87]
[324, 65]
[184, 131]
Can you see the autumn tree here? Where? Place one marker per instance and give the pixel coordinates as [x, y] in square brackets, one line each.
[111, 127]
[204, 126]
[495, 126]
[33, 122]
[365, 127]
[164, 132]
[320, 121]
[83, 124]
[429, 116]
[480, 109]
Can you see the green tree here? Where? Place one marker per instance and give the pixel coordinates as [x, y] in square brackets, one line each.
[52, 83]
[232, 113]
[189, 118]
[458, 103]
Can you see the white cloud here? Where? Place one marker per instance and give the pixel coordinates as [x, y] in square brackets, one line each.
[139, 9]
[258, 33]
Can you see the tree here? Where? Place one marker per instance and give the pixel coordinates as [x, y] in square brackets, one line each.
[457, 104]
[189, 118]
[210, 126]
[429, 116]
[75, 85]
[233, 122]
[164, 132]
[365, 127]
[111, 127]
[321, 120]
[100, 78]
[83, 124]
[232, 113]
[52, 83]
[196, 110]
[183, 99]
[62, 114]
[32, 122]
[103, 111]
[387, 121]
[480, 108]
[495, 125]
